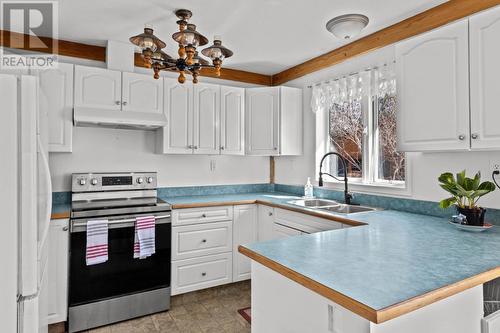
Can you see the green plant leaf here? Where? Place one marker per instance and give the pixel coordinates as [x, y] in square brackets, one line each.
[445, 203]
[476, 181]
[461, 178]
[446, 178]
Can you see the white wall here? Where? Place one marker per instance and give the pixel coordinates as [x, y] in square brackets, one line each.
[107, 150]
[425, 168]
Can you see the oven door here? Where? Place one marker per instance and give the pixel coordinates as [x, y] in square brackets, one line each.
[121, 274]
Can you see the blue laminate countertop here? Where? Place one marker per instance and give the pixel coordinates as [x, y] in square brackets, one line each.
[394, 258]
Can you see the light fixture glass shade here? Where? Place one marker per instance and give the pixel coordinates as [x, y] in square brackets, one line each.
[147, 40]
[190, 36]
[347, 26]
[217, 50]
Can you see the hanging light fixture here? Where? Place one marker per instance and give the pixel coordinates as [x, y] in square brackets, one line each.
[188, 61]
[347, 26]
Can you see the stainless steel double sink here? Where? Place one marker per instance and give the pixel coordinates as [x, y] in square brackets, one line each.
[331, 206]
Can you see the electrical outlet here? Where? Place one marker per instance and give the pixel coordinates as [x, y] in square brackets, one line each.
[494, 166]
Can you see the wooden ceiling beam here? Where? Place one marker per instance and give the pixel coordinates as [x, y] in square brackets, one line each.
[98, 53]
[435, 17]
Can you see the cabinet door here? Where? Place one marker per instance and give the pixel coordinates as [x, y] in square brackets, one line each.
[433, 89]
[58, 271]
[177, 136]
[244, 232]
[206, 116]
[232, 119]
[484, 74]
[97, 88]
[265, 223]
[291, 121]
[262, 121]
[280, 231]
[142, 93]
[56, 99]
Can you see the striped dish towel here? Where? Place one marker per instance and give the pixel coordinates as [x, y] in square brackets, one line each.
[97, 242]
[144, 239]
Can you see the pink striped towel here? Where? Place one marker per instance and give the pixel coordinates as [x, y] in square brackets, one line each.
[97, 242]
[144, 240]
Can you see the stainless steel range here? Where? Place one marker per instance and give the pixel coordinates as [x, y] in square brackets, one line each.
[122, 287]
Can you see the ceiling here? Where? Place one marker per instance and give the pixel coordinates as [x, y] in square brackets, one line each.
[267, 36]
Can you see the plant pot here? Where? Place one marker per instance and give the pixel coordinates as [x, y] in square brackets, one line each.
[474, 216]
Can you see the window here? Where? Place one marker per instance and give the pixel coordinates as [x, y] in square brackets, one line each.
[360, 122]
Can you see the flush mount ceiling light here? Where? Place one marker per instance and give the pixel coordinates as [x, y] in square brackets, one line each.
[188, 40]
[347, 26]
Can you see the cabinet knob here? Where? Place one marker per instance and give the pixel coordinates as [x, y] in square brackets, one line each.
[275, 148]
[203, 240]
[124, 103]
[474, 136]
[195, 147]
[461, 137]
[270, 214]
[203, 274]
[117, 103]
[203, 215]
[221, 147]
[65, 228]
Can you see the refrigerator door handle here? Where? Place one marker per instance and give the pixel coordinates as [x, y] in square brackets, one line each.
[48, 182]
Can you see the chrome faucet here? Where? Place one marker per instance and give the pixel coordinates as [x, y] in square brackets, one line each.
[347, 195]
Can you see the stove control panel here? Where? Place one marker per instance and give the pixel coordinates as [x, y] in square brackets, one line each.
[95, 182]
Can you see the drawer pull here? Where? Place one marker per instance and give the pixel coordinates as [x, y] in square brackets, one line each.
[203, 240]
[203, 274]
[203, 215]
[270, 214]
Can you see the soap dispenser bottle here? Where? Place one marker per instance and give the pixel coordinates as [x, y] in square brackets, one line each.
[308, 189]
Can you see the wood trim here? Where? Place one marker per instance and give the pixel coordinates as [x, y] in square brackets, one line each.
[225, 74]
[430, 19]
[64, 48]
[375, 316]
[272, 170]
[59, 216]
[57, 327]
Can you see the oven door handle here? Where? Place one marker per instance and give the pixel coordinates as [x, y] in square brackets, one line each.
[79, 226]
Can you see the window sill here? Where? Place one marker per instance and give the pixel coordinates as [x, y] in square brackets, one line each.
[371, 188]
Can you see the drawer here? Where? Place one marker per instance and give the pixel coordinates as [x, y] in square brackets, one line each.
[307, 223]
[200, 273]
[197, 240]
[201, 215]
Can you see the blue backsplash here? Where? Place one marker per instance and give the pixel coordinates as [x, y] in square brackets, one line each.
[401, 204]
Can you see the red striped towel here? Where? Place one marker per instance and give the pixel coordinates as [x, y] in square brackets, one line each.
[97, 242]
[144, 239]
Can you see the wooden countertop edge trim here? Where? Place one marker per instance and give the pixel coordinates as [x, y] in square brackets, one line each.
[339, 298]
[375, 316]
[266, 203]
[59, 216]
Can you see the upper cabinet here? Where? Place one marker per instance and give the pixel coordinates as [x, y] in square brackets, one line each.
[142, 93]
[98, 88]
[202, 119]
[104, 89]
[484, 74]
[206, 118]
[273, 121]
[433, 89]
[56, 98]
[232, 120]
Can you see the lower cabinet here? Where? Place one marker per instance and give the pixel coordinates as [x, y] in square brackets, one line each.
[281, 231]
[244, 232]
[202, 272]
[58, 271]
[265, 222]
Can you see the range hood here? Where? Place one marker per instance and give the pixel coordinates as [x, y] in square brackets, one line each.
[89, 117]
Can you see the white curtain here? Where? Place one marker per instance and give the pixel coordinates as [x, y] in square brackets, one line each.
[379, 81]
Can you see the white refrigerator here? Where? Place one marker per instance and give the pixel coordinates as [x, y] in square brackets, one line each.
[29, 201]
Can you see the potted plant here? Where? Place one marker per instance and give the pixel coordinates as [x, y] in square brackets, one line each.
[465, 194]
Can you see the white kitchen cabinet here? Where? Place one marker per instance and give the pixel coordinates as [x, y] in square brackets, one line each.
[98, 88]
[206, 118]
[303, 222]
[484, 73]
[232, 120]
[281, 231]
[201, 215]
[177, 136]
[433, 90]
[56, 98]
[265, 222]
[244, 232]
[273, 121]
[142, 93]
[58, 271]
